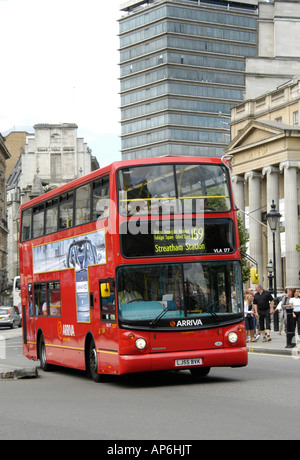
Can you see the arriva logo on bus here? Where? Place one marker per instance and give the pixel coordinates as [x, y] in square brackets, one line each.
[186, 322]
[65, 330]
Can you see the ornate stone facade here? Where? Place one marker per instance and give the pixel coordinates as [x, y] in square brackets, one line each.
[4, 155]
[53, 155]
[266, 150]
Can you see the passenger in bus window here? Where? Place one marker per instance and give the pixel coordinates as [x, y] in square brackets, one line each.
[222, 303]
[44, 309]
[234, 302]
[41, 305]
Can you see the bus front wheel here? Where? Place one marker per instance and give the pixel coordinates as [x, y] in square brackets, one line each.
[200, 371]
[92, 362]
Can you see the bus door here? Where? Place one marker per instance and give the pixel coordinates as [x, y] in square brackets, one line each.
[29, 334]
[108, 333]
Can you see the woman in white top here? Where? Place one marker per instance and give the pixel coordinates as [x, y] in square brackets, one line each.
[249, 319]
[280, 310]
[295, 304]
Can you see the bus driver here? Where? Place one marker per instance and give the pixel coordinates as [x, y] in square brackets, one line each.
[128, 294]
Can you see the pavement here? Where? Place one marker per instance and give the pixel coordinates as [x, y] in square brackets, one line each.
[277, 346]
[9, 371]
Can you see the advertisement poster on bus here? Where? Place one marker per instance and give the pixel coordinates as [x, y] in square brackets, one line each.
[78, 253]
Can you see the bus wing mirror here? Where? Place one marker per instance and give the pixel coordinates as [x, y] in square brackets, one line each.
[105, 290]
[254, 275]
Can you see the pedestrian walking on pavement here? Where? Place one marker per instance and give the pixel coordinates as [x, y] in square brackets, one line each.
[256, 334]
[285, 302]
[280, 309]
[263, 305]
[295, 304]
[249, 318]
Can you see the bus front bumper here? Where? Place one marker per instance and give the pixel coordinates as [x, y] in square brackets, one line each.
[226, 357]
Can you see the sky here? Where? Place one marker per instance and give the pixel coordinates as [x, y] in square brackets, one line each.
[60, 64]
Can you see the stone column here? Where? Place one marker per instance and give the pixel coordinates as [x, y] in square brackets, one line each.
[291, 221]
[255, 231]
[272, 177]
[238, 193]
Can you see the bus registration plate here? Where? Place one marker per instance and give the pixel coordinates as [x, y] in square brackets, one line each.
[188, 362]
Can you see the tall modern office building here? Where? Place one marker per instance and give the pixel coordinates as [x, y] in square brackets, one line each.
[182, 69]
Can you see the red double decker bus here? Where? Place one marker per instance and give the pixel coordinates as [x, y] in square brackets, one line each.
[134, 268]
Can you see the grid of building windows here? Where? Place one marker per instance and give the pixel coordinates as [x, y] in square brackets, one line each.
[182, 68]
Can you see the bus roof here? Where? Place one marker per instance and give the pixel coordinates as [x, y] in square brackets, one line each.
[113, 167]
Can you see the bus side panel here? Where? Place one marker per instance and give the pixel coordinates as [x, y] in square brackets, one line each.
[64, 336]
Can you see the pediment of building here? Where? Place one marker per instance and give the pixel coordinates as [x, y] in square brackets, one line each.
[263, 143]
[257, 132]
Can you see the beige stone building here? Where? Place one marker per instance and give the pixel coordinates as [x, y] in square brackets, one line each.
[4, 156]
[52, 155]
[278, 50]
[266, 150]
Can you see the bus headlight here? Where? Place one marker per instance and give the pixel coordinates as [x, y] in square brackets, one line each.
[233, 337]
[140, 344]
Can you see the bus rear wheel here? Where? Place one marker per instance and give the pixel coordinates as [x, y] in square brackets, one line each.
[92, 362]
[42, 355]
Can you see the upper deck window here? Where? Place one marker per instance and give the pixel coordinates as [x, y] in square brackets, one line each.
[26, 224]
[175, 188]
[66, 211]
[51, 216]
[38, 221]
[83, 204]
[100, 199]
[78, 206]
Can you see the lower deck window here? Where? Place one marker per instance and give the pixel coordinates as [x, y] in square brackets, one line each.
[47, 299]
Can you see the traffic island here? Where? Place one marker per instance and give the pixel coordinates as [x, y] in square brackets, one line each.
[7, 373]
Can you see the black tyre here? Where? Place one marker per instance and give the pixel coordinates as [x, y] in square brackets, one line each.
[42, 355]
[92, 363]
[200, 371]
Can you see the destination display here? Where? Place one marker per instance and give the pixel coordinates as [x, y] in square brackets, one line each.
[156, 238]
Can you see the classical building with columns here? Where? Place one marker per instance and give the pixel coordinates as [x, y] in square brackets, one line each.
[266, 149]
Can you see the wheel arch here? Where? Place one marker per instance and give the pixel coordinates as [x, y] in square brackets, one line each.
[38, 338]
[88, 339]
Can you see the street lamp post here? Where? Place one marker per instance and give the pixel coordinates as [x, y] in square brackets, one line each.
[270, 275]
[273, 217]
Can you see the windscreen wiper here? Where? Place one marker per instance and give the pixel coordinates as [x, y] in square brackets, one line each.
[213, 314]
[172, 304]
